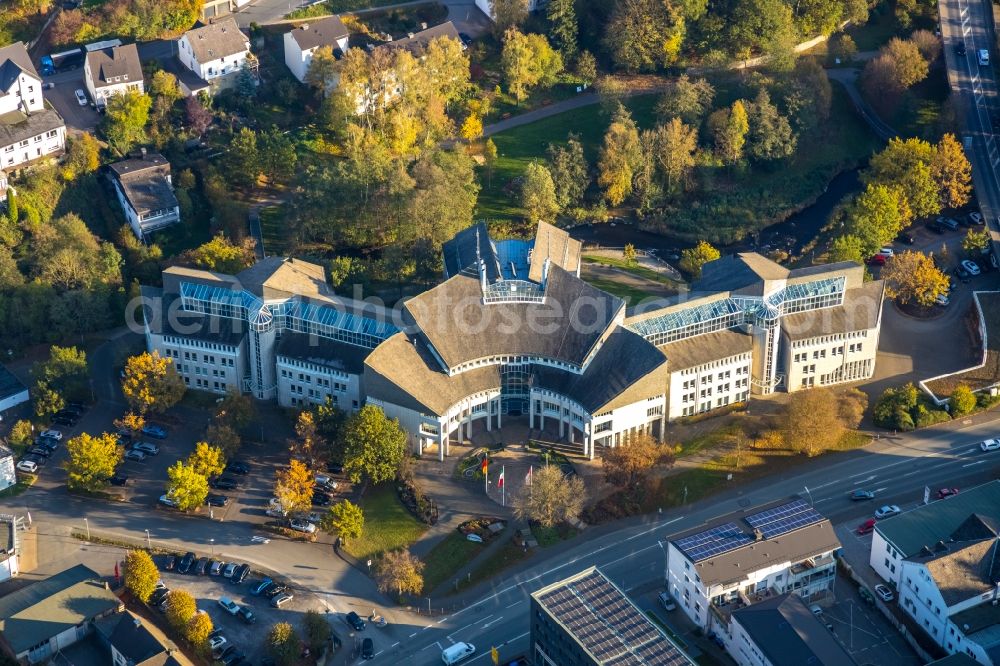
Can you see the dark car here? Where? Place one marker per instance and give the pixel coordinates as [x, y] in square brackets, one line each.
[224, 483]
[43, 451]
[936, 228]
[185, 563]
[368, 649]
[320, 498]
[906, 238]
[237, 467]
[859, 495]
[155, 431]
[334, 468]
[201, 568]
[260, 586]
[63, 420]
[72, 410]
[158, 596]
[38, 460]
[241, 573]
[170, 562]
[124, 438]
[273, 590]
[77, 405]
[233, 658]
[962, 275]
[118, 480]
[355, 621]
[214, 499]
[228, 650]
[47, 442]
[246, 615]
[960, 49]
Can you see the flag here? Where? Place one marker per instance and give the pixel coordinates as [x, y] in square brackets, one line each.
[500, 479]
[527, 477]
[486, 463]
[116, 571]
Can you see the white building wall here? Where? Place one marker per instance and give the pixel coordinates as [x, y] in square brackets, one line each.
[297, 60]
[39, 146]
[301, 384]
[204, 366]
[413, 423]
[616, 426]
[13, 401]
[212, 69]
[919, 597]
[709, 386]
[743, 649]
[885, 559]
[24, 95]
[830, 359]
[8, 475]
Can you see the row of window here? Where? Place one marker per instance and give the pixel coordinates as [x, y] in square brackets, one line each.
[192, 342]
[719, 402]
[320, 381]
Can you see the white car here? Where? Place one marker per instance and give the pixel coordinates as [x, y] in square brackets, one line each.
[884, 593]
[28, 466]
[81, 97]
[942, 300]
[984, 57]
[52, 434]
[887, 252]
[147, 448]
[167, 500]
[276, 512]
[135, 455]
[970, 266]
[990, 444]
[887, 511]
[216, 643]
[976, 218]
[229, 605]
[302, 526]
[326, 481]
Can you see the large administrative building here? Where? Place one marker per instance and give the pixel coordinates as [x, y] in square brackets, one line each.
[514, 333]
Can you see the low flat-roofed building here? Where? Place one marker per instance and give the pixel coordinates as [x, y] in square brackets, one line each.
[12, 391]
[10, 538]
[146, 193]
[8, 475]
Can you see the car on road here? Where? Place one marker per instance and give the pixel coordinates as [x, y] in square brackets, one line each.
[146, 447]
[884, 593]
[229, 570]
[260, 586]
[51, 433]
[135, 455]
[186, 561]
[247, 615]
[984, 57]
[990, 444]
[155, 431]
[960, 49]
[368, 649]
[27, 466]
[946, 492]
[81, 97]
[461, 651]
[118, 479]
[240, 574]
[866, 527]
[215, 499]
[354, 621]
[282, 599]
[229, 605]
[666, 601]
[887, 511]
[167, 500]
[237, 467]
[302, 526]
[971, 267]
[859, 495]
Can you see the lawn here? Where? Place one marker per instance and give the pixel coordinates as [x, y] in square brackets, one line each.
[627, 293]
[549, 536]
[507, 556]
[634, 269]
[24, 481]
[273, 231]
[388, 525]
[447, 558]
[880, 28]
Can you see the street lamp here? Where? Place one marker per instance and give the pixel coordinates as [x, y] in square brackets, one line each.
[87, 523]
[212, 542]
[660, 544]
[148, 544]
[808, 493]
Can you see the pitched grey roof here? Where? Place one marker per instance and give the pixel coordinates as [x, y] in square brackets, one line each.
[859, 312]
[701, 349]
[14, 59]
[419, 41]
[9, 384]
[144, 182]
[130, 637]
[165, 317]
[789, 634]
[744, 272]
[118, 61]
[962, 570]
[217, 40]
[24, 127]
[461, 251]
[49, 607]
[573, 317]
[556, 245]
[280, 277]
[324, 352]
[925, 525]
[324, 32]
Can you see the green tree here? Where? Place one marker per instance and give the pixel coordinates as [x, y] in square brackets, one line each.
[62, 377]
[569, 170]
[538, 194]
[276, 155]
[207, 460]
[283, 644]
[962, 400]
[910, 65]
[222, 255]
[400, 571]
[12, 210]
[760, 26]
[976, 242]
[507, 15]
[141, 574]
[344, 519]
[186, 486]
[375, 445]
[812, 422]
[151, 383]
[621, 157]
[125, 119]
[847, 248]
[563, 27]
[224, 436]
[91, 461]
[322, 73]
[770, 136]
[877, 216]
[675, 148]
[842, 46]
[21, 433]
[181, 608]
[527, 61]
[490, 157]
[83, 156]
[692, 259]
[164, 84]
[643, 35]
[243, 158]
[729, 130]
[905, 164]
[306, 446]
[586, 67]
[317, 630]
[551, 498]
[235, 409]
[687, 99]
[629, 254]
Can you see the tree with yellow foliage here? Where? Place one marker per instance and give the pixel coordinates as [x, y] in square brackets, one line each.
[621, 156]
[692, 259]
[294, 487]
[151, 383]
[472, 127]
[92, 461]
[912, 276]
[951, 172]
[207, 460]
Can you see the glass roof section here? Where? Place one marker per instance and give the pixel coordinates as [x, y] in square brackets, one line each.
[346, 321]
[514, 258]
[689, 317]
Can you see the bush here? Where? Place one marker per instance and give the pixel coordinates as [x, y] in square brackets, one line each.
[962, 400]
[894, 407]
[985, 400]
[926, 417]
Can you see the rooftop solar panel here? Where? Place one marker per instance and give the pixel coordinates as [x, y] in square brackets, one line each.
[714, 541]
[784, 518]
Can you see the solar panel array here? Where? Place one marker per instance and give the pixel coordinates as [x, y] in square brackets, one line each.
[784, 519]
[714, 541]
[608, 625]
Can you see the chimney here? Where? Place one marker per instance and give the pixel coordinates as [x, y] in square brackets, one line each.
[410, 35]
[142, 151]
[423, 25]
[758, 535]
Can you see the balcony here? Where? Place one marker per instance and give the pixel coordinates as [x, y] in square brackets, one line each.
[811, 564]
[723, 611]
[759, 595]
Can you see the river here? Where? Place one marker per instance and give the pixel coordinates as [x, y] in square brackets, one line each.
[792, 234]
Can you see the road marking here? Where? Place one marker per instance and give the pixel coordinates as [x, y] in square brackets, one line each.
[878, 490]
[978, 462]
[468, 625]
[427, 627]
[491, 622]
[394, 645]
[864, 480]
[378, 653]
[413, 634]
[516, 603]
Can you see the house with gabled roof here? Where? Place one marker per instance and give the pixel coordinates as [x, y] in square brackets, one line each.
[301, 43]
[112, 71]
[146, 193]
[214, 51]
[29, 129]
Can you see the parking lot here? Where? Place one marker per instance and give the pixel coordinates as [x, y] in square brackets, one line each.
[63, 99]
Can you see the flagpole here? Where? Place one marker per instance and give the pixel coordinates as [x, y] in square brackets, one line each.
[503, 488]
[486, 475]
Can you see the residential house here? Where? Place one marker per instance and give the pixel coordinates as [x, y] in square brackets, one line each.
[782, 631]
[8, 475]
[12, 391]
[136, 642]
[301, 43]
[39, 620]
[112, 71]
[29, 129]
[146, 193]
[744, 558]
[214, 51]
[417, 42]
[587, 620]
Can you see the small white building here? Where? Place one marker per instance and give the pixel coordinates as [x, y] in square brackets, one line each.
[8, 475]
[146, 193]
[12, 391]
[29, 130]
[20, 84]
[215, 50]
[111, 71]
[744, 558]
[301, 43]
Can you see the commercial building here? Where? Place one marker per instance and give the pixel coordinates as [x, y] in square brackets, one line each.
[146, 193]
[39, 620]
[29, 130]
[301, 43]
[112, 71]
[586, 620]
[782, 631]
[12, 391]
[743, 558]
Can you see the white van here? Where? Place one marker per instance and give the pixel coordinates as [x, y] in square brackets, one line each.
[457, 652]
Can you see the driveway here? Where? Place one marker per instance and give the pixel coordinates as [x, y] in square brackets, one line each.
[61, 96]
[864, 631]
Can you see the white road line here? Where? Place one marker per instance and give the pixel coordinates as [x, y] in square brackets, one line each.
[413, 634]
[491, 622]
[394, 645]
[864, 480]
[378, 653]
[516, 603]
[468, 625]
[978, 462]
[878, 490]
[427, 627]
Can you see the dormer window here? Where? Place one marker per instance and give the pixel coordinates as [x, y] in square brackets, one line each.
[125, 77]
[117, 79]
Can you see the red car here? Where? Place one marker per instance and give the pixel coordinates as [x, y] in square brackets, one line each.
[866, 527]
[877, 260]
[946, 492]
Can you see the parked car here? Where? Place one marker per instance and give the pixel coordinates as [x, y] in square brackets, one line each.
[247, 615]
[335, 468]
[229, 605]
[260, 586]
[167, 500]
[135, 455]
[224, 483]
[146, 447]
[859, 495]
[971, 267]
[240, 574]
[975, 218]
[887, 251]
[237, 467]
[984, 57]
[320, 498]
[158, 596]
[28, 466]
[64, 420]
[962, 274]
[936, 228]
[884, 593]
[943, 300]
[946, 492]
[81, 97]
[989, 444]
[225, 652]
[229, 570]
[170, 562]
[667, 601]
[40, 451]
[276, 512]
[905, 237]
[354, 621]
[186, 561]
[273, 590]
[155, 431]
[866, 527]
[887, 511]
[216, 643]
[118, 479]
[233, 658]
[368, 649]
[215, 499]
[947, 223]
[201, 566]
[866, 596]
[960, 49]
[302, 526]
[215, 567]
[877, 260]
[52, 434]
[282, 599]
